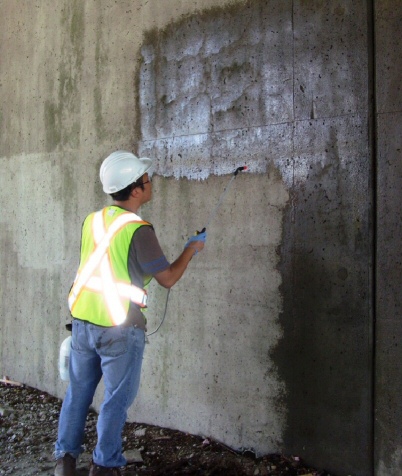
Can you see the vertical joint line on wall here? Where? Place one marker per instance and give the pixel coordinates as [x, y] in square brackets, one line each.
[292, 191]
[372, 137]
[293, 58]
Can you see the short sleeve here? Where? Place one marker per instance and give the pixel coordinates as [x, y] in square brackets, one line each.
[146, 252]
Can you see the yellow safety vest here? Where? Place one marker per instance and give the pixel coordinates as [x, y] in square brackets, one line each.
[102, 290]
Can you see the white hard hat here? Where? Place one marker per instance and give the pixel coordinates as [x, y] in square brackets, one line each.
[122, 168]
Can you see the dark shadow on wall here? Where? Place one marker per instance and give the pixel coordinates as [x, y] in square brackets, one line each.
[324, 356]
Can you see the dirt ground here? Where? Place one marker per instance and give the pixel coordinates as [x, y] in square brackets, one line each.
[28, 428]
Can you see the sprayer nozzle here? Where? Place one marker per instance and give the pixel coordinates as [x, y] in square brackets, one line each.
[239, 169]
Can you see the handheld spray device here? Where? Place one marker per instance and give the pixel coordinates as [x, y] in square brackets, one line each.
[210, 218]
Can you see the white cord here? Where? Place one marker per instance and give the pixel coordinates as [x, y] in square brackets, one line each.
[212, 214]
[164, 315]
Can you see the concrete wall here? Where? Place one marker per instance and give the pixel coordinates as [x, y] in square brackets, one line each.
[388, 331]
[269, 338]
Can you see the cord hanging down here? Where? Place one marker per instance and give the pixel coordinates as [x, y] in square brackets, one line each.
[164, 315]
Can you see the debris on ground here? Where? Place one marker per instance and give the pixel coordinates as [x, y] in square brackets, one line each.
[28, 430]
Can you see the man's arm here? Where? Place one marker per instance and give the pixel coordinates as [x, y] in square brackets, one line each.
[146, 249]
[171, 275]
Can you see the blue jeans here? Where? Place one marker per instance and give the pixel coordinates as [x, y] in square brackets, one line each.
[116, 353]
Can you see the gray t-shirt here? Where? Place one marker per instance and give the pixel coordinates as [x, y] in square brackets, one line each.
[145, 259]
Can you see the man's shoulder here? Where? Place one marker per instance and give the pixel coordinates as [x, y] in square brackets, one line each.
[144, 231]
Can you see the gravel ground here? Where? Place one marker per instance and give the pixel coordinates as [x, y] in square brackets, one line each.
[28, 428]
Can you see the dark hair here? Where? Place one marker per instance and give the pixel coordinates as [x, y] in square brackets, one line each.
[124, 194]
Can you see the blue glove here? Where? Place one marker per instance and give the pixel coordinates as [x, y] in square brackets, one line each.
[200, 237]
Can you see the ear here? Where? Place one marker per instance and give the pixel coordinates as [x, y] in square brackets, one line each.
[135, 192]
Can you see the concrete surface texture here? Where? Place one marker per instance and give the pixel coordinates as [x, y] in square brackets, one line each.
[269, 342]
[388, 382]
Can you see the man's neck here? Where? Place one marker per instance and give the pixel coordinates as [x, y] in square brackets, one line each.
[127, 205]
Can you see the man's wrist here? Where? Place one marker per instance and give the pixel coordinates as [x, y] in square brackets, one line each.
[195, 251]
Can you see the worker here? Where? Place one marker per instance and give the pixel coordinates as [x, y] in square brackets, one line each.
[120, 254]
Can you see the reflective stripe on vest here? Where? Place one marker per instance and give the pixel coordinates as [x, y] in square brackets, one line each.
[105, 284]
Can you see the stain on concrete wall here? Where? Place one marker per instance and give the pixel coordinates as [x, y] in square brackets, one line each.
[325, 356]
[62, 114]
